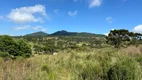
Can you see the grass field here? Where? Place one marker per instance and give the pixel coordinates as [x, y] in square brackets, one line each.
[95, 64]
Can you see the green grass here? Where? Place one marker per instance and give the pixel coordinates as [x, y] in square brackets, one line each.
[97, 64]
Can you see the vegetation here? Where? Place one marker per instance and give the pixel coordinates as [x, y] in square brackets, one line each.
[12, 48]
[122, 36]
[65, 33]
[72, 56]
[98, 64]
[37, 34]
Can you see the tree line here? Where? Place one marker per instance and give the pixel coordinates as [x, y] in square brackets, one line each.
[13, 47]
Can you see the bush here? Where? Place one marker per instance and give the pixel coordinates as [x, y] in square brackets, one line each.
[126, 69]
[7, 44]
[139, 59]
[45, 68]
[89, 71]
[4, 54]
[23, 48]
[13, 48]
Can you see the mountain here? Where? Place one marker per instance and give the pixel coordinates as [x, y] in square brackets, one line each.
[37, 34]
[66, 33]
[63, 33]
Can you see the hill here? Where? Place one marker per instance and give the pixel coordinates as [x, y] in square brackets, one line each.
[66, 33]
[37, 34]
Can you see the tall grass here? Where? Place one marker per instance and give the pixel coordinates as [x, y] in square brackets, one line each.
[97, 64]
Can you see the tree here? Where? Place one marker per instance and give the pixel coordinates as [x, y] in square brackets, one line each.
[24, 49]
[14, 47]
[116, 37]
[7, 44]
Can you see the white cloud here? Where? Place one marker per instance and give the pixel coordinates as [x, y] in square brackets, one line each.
[112, 29]
[28, 27]
[73, 13]
[138, 29]
[95, 3]
[39, 28]
[106, 34]
[27, 14]
[109, 19]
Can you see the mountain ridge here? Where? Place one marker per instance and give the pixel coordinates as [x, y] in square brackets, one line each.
[63, 33]
[40, 33]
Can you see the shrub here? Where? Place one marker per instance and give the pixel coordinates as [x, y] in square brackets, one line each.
[13, 48]
[139, 59]
[23, 48]
[7, 44]
[90, 71]
[4, 54]
[126, 69]
[45, 68]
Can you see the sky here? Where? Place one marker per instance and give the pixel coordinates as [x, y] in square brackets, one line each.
[20, 17]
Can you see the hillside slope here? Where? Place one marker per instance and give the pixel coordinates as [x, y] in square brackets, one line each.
[66, 33]
[40, 33]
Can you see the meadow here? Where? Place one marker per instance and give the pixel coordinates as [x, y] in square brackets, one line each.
[94, 64]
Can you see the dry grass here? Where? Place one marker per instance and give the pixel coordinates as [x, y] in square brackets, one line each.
[140, 48]
[31, 69]
[14, 68]
[131, 50]
[66, 65]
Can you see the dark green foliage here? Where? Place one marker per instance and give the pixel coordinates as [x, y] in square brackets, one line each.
[14, 48]
[37, 49]
[46, 48]
[7, 44]
[4, 54]
[117, 37]
[49, 49]
[23, 48]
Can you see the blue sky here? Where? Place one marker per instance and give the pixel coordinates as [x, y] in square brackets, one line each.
[19, 17]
